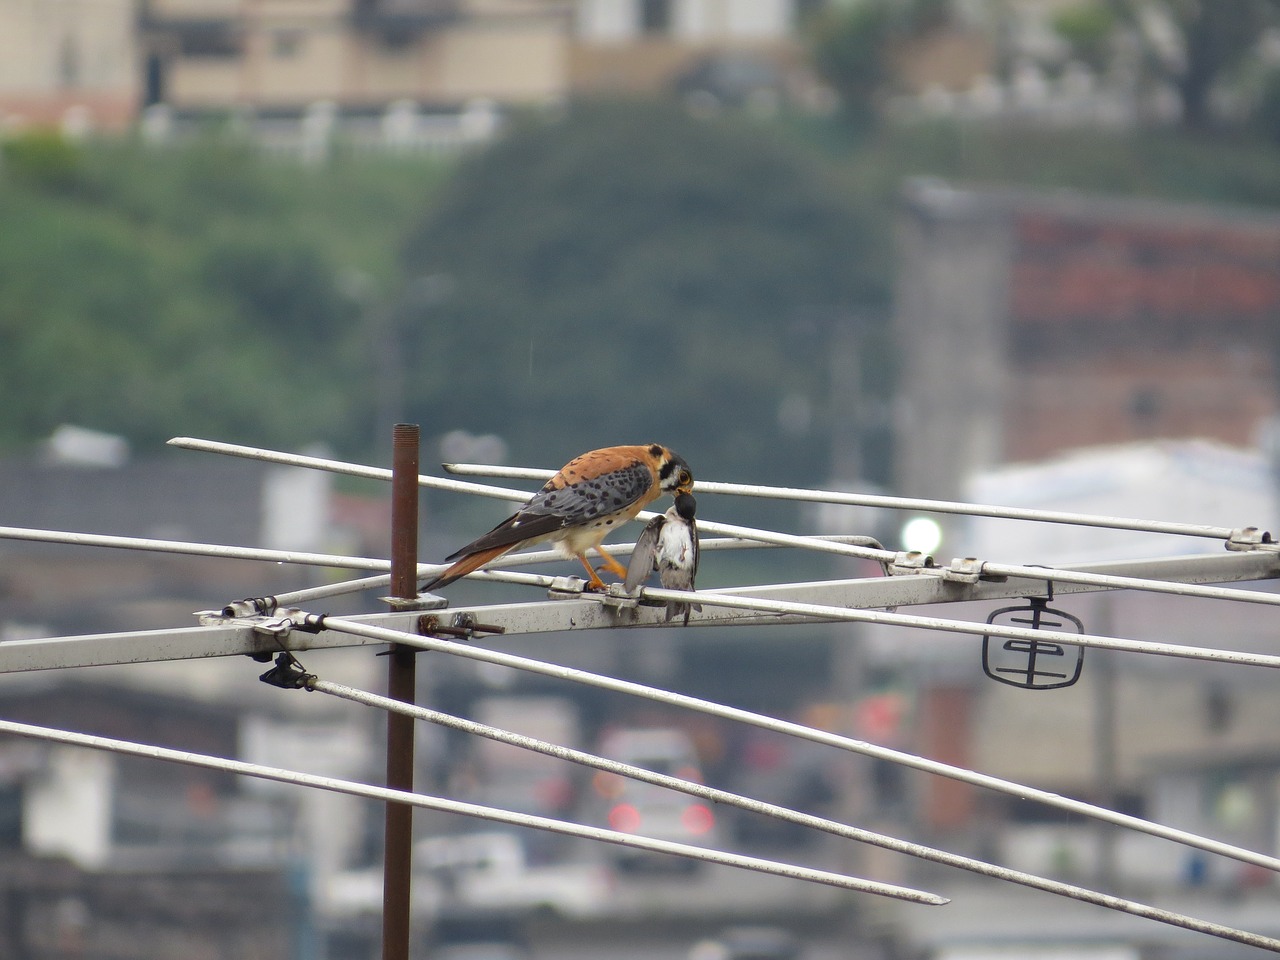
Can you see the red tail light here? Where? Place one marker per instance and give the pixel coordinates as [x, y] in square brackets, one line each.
[624, 818]
[698, 819]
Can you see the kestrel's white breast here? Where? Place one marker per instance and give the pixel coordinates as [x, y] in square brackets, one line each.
[580, 538]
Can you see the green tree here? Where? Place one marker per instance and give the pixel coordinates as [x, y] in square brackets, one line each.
[1088, 29]
[627, 273]
[1212, 38]
[854, 45]
[192, 290]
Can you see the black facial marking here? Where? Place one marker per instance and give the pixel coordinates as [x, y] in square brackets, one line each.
[672, 467]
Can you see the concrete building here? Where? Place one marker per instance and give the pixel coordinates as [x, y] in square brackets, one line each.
[94, 64]
[1096, 355]
[1034, 323]
[72, 64]
[359, 54]
[170, 498]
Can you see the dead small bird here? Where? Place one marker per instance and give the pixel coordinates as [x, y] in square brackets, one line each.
[669, 544]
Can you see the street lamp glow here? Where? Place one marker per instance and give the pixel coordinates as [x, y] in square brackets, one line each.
[921, 534]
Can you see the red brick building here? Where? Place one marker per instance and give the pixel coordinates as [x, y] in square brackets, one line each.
[1034, 323]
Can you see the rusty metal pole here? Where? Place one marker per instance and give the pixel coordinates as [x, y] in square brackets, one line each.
[401, 685]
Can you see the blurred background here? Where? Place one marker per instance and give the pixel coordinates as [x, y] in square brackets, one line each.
[1018, 251]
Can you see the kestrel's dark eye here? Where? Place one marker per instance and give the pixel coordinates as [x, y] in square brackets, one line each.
[685, 479]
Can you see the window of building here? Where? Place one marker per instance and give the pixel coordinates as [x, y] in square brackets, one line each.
[286, 44]
[10, 816]
[69, 64]
[213, 39]
[655, 16]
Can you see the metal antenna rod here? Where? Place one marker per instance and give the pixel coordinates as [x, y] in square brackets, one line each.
[891, 503]
[781, 539]
[426, 570]
[506, 493]
[835, 828]
[826, 611]
[217, 550]
[402, 680]
[494, 814]
[338, 561]
[820, 611]
[738, 715]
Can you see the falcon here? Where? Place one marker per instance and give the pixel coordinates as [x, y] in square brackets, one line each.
[669, 544]
[590, 496]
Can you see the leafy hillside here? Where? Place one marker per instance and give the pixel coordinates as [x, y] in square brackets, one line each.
[618, 274]
[203, 290]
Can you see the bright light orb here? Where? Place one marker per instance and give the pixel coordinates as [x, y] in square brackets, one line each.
[921, 534]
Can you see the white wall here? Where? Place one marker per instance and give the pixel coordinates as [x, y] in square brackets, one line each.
[66, 808]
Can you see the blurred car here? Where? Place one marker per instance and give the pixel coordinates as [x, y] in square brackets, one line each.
[485, 873]
[748, 943]
[733, 79]
[484, 935]
[481, 950]
[490, 871]
[630, 806]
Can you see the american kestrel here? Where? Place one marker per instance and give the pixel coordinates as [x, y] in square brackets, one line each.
[590, 496]
[669, 544]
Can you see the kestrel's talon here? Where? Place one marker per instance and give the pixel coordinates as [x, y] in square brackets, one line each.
[590, 496]
[593, 582]
[612, 565]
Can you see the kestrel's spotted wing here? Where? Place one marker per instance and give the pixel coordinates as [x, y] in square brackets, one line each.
[579, 499]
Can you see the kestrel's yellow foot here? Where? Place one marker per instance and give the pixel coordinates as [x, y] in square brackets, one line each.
[612, 565]
[594, 583]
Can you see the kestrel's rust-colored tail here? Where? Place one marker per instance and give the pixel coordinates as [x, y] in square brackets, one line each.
[472, 561]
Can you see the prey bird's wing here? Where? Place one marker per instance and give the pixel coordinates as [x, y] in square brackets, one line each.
[643, 555]
[697, 552]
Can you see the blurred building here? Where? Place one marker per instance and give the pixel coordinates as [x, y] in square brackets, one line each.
[443, 53]
[123, 843]
[89, 485]
[1034, 323]
[1098, 355]
[95, 64]
[1192, 745]
[359, 54]
[740, 52]
[72, 64]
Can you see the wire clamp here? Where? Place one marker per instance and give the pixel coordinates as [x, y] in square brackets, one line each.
[963, 570]
[1243, 539]
[250, 607]
[909, 562]
[1019, 662]
[616, 595]
[423, 601]
[288, 673]
[281, 626]
[567, 588]
[463, 627]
